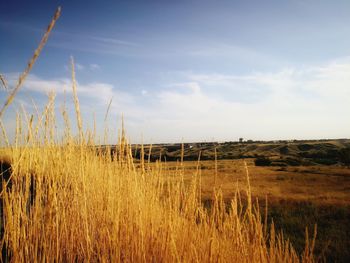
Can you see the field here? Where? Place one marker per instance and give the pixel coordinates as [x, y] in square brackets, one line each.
[317, 184]
[70, 203]
[305, 183]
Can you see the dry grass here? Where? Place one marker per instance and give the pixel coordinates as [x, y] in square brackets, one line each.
[88, 207]
[321, 184]
[297, 197]
[69, 203]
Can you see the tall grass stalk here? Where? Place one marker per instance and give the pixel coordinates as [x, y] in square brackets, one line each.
[31, 62]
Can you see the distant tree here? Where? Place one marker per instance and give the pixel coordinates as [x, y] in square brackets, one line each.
[240, 140]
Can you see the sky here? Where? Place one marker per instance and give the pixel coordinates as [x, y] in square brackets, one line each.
[185, 71]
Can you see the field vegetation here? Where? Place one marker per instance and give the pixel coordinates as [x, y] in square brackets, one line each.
[297, 196]
[274, 153]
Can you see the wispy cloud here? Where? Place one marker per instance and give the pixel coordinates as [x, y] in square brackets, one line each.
[98, 91]
[185, 87]
[328, 81]
[108, 40]
[91, 43]
[74, 41]
[222, 50]
[306, 102]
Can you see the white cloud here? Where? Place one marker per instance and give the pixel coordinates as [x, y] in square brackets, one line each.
[308, 102]
[330, 81]
[292, 103]
[100, 92]
[186, 87]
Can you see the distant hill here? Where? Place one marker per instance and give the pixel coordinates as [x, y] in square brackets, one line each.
[309, 152]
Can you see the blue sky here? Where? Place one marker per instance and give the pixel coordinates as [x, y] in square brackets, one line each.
[189, 70]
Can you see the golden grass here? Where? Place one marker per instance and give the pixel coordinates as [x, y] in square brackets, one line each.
[76, 102]
[72, 203]
[91, 208]
[320, 184]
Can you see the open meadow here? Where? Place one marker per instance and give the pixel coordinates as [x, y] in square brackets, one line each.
[297, 196]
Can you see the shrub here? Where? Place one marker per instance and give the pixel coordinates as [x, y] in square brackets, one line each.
[262, 161]
[344, 156]
[293, 161]
[284, 150]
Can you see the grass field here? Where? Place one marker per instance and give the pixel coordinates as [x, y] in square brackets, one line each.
[297, 197]
[319, 184]
[88, 207]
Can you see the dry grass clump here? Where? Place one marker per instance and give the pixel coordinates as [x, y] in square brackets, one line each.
[69, 202]
[88, 207]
